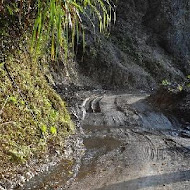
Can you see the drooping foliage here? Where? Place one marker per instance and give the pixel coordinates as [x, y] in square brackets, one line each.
[58, 23]
[33, 118]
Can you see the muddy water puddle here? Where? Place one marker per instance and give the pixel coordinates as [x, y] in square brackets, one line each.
[95, 148]
[58, 176]
[107, 143]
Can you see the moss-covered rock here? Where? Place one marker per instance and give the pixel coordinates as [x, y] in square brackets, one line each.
[33, 117]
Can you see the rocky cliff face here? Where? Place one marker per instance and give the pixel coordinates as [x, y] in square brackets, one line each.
[170, 20]
[149, 42]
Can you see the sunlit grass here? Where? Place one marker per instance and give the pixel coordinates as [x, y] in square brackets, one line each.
[57, 24]
[33, 117]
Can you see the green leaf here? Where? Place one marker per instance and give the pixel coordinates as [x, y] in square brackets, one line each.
[180, 88]
[165, 83]
[22, 102]
[1, 64]
[53, 130]
[10, 10]
[13, 99]
[59, 22]
[43, 128]
[53, 114]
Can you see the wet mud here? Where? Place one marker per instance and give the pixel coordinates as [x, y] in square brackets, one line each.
[128, 144]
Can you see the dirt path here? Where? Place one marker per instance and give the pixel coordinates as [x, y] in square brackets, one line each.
[131, 145]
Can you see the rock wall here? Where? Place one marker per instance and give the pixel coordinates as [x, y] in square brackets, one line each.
[149, 43]
[170, 21]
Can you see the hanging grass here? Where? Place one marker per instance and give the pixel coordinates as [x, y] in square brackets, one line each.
[58, 23]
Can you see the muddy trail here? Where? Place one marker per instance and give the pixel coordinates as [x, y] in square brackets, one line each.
[129, 144]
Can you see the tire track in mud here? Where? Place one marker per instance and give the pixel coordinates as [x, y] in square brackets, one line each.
[144, 150]
[151, 152]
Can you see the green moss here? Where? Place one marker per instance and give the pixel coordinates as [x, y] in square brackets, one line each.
[33, 117]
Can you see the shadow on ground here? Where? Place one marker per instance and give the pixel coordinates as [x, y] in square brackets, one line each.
[151, 181]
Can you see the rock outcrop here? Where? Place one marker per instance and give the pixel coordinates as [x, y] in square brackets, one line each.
[174, 103]
[149, 42]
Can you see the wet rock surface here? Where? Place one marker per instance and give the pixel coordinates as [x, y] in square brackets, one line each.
[167, 19]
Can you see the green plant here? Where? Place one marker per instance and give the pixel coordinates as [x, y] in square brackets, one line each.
[59, 22]
[53, 115]
[165, 83]
[53, 130]
[180, 87]
[19, 153]
[28, 109]
[13, 99]
[43, 128]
